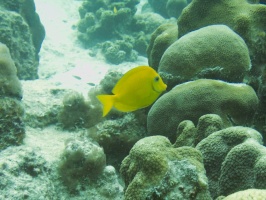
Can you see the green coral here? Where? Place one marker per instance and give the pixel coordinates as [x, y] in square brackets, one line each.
[234, 160]
[244, 167]
[118, 51]
[9, 82]
[23, 33]
[26, 8]
[244, 18]
[209, 52]
[161, 39]
[190, 135]
[110, 26]
[155, 170]
[12, 130]
[191, 100]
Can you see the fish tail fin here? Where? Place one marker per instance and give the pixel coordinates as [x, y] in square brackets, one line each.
[107, 102]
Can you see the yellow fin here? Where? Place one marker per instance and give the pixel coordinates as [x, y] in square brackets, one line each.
[120, 85]
[115, 10]
[107, 102]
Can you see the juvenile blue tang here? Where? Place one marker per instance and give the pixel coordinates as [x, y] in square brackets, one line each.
[138, 88]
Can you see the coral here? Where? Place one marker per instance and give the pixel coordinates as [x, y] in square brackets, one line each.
[81, 160]
[209, 52]
[234, 103]
[108, 186]
[247, 194]
[245, 164]
[118, 135]
[26, 9]
[155, 170]
[189, 135]
[26, 174]
[244, 18]
[15, 33]
[77, 113]
[12, 131]
[161, 39]
[234, 160]
[114, 26]
[9, 82]
[99, 22]
[118, 51]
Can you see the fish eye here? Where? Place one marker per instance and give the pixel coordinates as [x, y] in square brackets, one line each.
[156, 78]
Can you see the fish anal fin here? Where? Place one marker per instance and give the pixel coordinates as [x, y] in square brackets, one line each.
[107, 102]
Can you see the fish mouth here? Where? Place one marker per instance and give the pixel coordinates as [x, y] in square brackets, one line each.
[161, 89]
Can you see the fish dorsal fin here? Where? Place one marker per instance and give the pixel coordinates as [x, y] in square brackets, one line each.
[135, 71]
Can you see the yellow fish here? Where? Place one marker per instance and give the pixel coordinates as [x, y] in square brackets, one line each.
[138, 88]
[115, 10]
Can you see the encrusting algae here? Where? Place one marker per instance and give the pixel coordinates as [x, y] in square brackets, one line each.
[138, 88]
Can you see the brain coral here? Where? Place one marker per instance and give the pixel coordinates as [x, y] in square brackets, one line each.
[191, 135]
[244, 167]
[248, 20]
[155, 170]
[234, 160]
[214, 52]
[234, 103]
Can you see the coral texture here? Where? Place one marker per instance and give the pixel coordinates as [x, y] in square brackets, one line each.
[209, 52]
[12, 129]
[23, 33]
[244, 18]
[234, 103]
[161, 39]
[115, 29]
[234, 160]
[155, 170]
[76, 112]
[190, 135]
[81, 160]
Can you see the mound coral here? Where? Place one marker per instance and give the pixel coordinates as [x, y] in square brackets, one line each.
[76, 112]
[244, 18]
[23, 33]
[81, 160]
[209, 52]
[234, 159]
[235, 103]
[161, 39]
[155, 170]
[12, 131]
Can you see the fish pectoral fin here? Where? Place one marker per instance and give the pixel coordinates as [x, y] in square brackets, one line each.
[107, 102]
